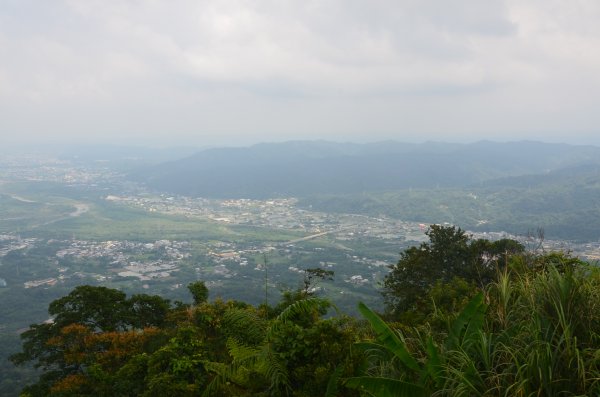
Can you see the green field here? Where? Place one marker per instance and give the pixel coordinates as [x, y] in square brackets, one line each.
[57, 215]
[44, 210]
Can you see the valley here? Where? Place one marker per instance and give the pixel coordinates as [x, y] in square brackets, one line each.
[65, 223]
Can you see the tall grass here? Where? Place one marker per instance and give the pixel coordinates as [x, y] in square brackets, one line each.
[546, 340]
[540, 336]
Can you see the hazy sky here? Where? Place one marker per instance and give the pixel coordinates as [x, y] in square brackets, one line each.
[237, 72]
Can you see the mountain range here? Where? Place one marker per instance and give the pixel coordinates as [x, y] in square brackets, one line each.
[305, 168]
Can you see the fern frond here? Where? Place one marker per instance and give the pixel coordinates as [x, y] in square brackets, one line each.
[222, 373]
[253, 325]
[309, 306]
[274, 370]
[301, 307]
[241, 353]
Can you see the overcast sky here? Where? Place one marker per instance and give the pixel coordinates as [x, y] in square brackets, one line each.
[238, 72]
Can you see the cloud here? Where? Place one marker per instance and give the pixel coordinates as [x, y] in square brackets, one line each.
[112, 69]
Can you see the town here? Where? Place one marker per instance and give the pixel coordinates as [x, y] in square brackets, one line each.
[285, 239]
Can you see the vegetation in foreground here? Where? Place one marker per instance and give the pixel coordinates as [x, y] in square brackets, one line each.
[479, 319]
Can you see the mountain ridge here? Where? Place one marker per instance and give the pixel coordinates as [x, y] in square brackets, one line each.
[300, 168]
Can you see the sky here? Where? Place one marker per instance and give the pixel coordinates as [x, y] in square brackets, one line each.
[237, 72]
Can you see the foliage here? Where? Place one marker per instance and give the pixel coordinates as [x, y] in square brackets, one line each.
[535, 331]
[89, 310]
[420, 379]
[312, 276]
[449, 254]
[103, 343]
[532, 329]
[308, 289]
[296, 355]
[97, 307]
[199, 292]
[147, 311]
[565, 203]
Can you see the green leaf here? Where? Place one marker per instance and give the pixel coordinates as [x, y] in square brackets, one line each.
[240, 352]
[433, 366]
[275, 371]
[332, 384]
[468, 323]
[385, 387]
[388, 338]
[304, 307]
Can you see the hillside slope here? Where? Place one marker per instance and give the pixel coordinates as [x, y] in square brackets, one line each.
[304, 168]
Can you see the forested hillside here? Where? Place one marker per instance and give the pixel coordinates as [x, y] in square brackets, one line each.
[305, 168]
[565, 203]
[485, 186]
[463, 317]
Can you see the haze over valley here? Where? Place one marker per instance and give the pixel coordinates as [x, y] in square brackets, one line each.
[146, 221]
[217, 161]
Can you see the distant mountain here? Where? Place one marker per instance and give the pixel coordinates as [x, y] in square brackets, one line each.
[120, 157]
[587, 174]
[305, 168]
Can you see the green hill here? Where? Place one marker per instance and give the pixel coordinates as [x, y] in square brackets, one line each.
[306, 168]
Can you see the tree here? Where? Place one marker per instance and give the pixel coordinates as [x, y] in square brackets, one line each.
[148, 310]
[450, 253]
[293, 354]
[311, 278]
[95, 310]
[199, 292]
[100, 308]
[97, 358]
[308, 288]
